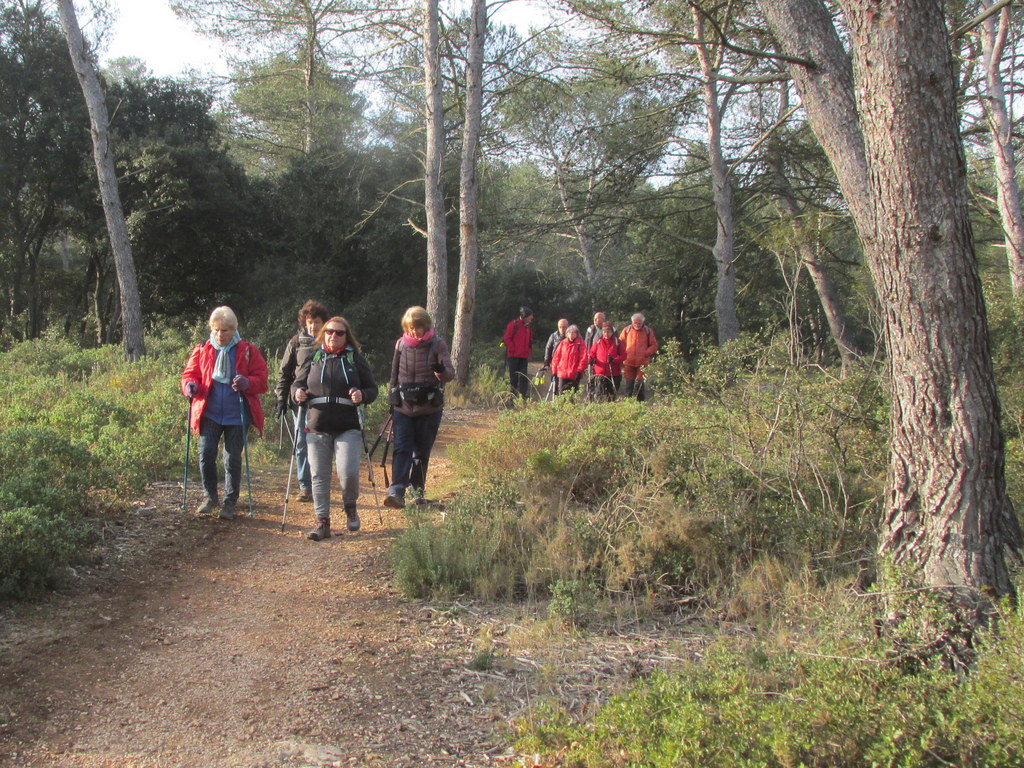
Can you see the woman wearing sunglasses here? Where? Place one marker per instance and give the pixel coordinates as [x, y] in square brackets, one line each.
[332, 383]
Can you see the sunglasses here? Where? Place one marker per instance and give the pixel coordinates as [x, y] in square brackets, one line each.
[333, 331]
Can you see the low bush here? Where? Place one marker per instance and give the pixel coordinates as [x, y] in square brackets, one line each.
[76, 423]
[45, 489]
[832, 695]
[741, 478]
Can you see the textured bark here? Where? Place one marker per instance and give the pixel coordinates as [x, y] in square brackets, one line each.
[131, 309]
[891, 134]
[437, 251]
[462, 338]
[993, 40]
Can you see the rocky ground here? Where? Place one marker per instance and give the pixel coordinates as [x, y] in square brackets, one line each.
[190, 641]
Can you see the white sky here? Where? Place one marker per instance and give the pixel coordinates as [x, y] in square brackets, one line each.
[149, 30]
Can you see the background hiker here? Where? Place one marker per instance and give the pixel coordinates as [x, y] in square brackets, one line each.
[592, 334]
[639, 344]
[594, 331]
[554, 340]
[419, 369]
[221, 374]
[570, 360]
[312, 316]
[606, 356]
[333, 382]
[549, 351]
[518, 341]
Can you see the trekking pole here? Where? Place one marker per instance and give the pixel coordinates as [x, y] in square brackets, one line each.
[387, 444]
[245, 450]
[380, 435]
[188, 445]
[291, 464]
[369, 463]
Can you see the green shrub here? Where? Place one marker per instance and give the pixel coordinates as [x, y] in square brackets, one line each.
[462, 552]
[769, 470]
[45, 485]
[832, 695]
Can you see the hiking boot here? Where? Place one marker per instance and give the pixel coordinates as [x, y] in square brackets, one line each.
[352, 518]
[420, 500]
[227, 512]
[322, 530]
[208, 507]
[305, 494]
[394, 501]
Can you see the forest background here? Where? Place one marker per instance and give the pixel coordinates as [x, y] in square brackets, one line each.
[653, 157]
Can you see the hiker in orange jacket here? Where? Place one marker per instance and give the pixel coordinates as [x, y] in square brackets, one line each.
[639, 344]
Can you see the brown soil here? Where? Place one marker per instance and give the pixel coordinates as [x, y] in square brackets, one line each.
[192, 641]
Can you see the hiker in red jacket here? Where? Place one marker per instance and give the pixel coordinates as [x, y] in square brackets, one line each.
[570, 360]
[223, 379]
[518, 341]
[606, 356]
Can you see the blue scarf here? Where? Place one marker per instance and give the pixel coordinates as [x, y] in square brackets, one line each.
[222, 366]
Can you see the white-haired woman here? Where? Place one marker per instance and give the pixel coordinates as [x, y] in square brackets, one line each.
[223, 378]
[570, 360]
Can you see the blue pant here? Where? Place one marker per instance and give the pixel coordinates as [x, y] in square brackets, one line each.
[302, 471]
[209, 436]
[414, 439]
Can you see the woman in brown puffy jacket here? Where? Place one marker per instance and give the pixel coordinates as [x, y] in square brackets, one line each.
[419, 370]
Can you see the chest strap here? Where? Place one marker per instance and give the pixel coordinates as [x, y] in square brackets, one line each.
[330, 401]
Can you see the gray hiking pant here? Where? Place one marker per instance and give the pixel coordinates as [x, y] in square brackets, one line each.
[344, 449]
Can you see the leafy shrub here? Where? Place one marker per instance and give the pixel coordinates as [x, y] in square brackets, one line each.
[460, 553]
[837, 697]
[45, 484]
[737, 483]
[76, 423]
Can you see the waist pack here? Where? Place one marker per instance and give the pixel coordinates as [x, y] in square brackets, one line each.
[417, 394]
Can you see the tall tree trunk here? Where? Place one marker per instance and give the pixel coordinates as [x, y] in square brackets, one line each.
[724, 251]
[437, 253]
[469, 242]
[891, 134]
[823, 283]
[579, 225]
[131, 309]
[309, 78]
[993, 41]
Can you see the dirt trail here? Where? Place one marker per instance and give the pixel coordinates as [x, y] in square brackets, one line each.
[197, 642]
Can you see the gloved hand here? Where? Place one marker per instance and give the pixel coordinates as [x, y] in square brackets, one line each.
[240, 383]
[189, 389]
[282, 407]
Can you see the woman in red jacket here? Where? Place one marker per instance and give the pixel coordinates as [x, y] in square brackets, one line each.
[570, 360]
[606, 355]
[223, 379]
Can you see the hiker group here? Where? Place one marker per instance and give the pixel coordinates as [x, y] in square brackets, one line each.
[608, 358]
[323, 382]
